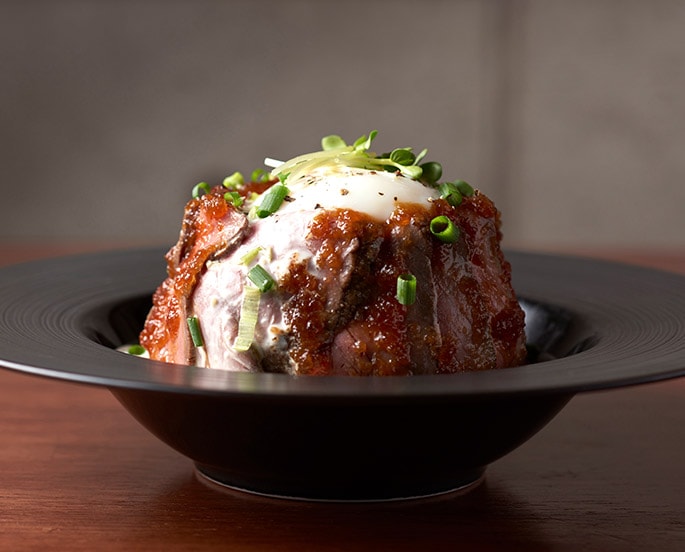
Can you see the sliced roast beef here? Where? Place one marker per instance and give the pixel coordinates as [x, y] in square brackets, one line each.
[211, 226]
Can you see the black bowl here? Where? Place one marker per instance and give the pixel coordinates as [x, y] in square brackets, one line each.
[590, 325]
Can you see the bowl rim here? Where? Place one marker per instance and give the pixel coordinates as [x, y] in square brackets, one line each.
[636, 315]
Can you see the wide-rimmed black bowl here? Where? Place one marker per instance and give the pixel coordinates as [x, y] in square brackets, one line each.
[590, 325]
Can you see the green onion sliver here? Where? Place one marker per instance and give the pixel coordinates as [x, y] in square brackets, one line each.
[272, 200]
[195, 332]
[249, 312]
[406, 289]
[137, 350]
[259, 175]
[234, 198]
[200, 188]
[444, 229]
[260, 278]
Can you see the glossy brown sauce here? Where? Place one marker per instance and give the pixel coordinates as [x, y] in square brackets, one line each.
[380, 336]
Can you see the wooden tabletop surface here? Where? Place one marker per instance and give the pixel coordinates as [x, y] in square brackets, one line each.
[78, 473]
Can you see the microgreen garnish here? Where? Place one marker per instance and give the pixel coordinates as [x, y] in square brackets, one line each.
[403, 156]
[336, 151]
[431, 172]
[464, 188]
[450, 192]
[363, 143]
[332, 142]
[406, 289]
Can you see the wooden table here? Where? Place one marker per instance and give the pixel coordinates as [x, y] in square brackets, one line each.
[78, 473]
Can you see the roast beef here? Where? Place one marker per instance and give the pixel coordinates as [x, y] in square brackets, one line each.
[333, 308]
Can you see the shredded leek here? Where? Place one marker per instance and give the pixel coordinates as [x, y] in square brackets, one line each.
[249, 312]
[251, 255]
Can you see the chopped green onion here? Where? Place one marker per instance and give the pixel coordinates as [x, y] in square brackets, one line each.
[200, 189]
[444, 229]
[195, 332]
[406, 289]
[464, 188]
[272, 200]
[259, 175]
[249, 312]
[234, 198]
[261, 278]
[136, 350]
[234, 181]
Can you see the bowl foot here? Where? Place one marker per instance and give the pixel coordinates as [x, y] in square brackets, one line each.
[464, 483]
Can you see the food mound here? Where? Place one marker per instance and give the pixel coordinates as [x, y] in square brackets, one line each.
[339, 262]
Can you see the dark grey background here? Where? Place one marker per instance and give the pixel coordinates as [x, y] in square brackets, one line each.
[569, 114]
